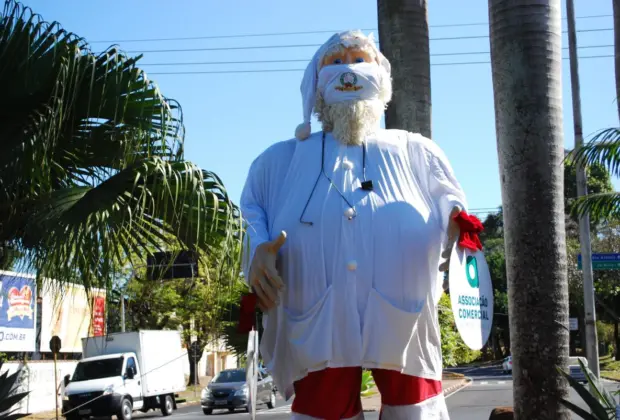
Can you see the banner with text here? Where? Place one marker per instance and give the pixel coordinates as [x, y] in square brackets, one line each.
[68, 312]
[18, 312]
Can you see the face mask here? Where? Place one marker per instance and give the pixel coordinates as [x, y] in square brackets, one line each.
[349, 82]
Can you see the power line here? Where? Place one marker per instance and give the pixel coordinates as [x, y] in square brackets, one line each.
[196, 63]
[300, 70]
[191, 38]
[263, 47]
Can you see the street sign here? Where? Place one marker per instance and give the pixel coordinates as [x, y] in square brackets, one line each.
[172, 265]
[573, 324]
[195, 350]
[602, 262]
[55, 344]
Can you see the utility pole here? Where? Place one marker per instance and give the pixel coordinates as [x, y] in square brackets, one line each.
[582, 190]
[122, 312]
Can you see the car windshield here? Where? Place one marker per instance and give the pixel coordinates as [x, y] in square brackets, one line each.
[228, 376]
[97, 369]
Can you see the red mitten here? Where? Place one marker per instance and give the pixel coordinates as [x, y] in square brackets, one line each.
[470, 227]
[247, 314]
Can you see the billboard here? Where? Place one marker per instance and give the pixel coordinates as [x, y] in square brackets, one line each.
[18, 312]
[68, 312]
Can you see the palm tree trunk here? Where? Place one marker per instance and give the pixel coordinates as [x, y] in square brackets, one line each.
[526, 57]
[616, 4]
[403, 36]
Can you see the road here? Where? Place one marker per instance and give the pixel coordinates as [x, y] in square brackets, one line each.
[490, 388]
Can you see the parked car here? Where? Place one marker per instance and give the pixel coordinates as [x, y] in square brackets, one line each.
[573, 367]
[507, 365]
[228, 390]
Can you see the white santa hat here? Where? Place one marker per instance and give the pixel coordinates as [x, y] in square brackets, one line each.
[309, 81]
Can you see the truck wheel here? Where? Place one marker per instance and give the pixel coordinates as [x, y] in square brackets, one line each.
[167, 406]
[207, 411]
[126, 410]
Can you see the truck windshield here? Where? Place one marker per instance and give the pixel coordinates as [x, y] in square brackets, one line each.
[229, 376]
[97, 369]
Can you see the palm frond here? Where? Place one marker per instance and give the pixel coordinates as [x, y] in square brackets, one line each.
[92, 171]
[153, 205]
[9, 396]
[598, 206]
[604, 148]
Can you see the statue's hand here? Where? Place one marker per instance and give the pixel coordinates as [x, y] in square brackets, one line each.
[264, 278]
[453, 236]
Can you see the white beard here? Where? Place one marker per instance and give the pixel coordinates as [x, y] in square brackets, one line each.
[352, 121]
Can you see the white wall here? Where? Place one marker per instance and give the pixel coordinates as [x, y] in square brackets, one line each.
[38, 379]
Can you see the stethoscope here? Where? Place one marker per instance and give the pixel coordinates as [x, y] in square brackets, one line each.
[366, 184]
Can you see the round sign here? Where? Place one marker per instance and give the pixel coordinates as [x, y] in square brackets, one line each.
[55, 344]
[471, 295]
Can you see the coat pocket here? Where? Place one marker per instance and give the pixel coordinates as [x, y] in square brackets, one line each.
[310, 334]
[387, 332]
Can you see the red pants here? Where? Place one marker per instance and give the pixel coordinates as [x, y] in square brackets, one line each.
[334, 394]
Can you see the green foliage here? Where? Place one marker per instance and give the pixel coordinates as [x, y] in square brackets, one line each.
[601, 402]
[9, 397]
[367, 384]
[602, 152]
[201, 306]
[453, 350]
[92, 169]
[605, 332]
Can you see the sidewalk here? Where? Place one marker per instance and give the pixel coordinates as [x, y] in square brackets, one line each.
[450, 383]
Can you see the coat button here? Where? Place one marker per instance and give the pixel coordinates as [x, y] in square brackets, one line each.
[348, 165]
[349, 213]
[352, 265]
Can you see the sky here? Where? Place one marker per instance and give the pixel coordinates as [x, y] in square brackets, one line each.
[231, 116]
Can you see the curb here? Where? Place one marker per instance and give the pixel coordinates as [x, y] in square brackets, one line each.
[610, 379]
[454, 388]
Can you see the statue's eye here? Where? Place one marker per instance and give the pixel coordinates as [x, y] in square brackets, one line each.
[359, 60]
[337, 61]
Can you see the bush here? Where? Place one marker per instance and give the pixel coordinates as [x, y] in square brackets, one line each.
[9, 397]
[453, 350]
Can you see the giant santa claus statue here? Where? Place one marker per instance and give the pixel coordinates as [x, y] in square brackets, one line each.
[349, 231]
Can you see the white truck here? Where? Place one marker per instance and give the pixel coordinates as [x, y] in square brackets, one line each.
[126, 372]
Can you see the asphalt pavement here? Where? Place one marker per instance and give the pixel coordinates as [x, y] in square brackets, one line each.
[489, 388]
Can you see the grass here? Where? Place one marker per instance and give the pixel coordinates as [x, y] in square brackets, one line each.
[452, 375]
[192, 393]
[610, 368]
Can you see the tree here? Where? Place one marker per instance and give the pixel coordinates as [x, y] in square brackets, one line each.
[403, 33]
[200, 307]
[92, 166]
[606, 239]
[526, 62]
[607, 284]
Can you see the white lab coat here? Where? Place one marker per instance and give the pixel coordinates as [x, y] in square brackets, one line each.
[359, 292]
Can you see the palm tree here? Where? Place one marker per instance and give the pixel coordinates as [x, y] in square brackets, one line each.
[92, 168]
[526, 56]
[403, 34]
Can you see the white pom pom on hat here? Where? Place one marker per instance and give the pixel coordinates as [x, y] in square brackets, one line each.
[303, 131]
[309, 81]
